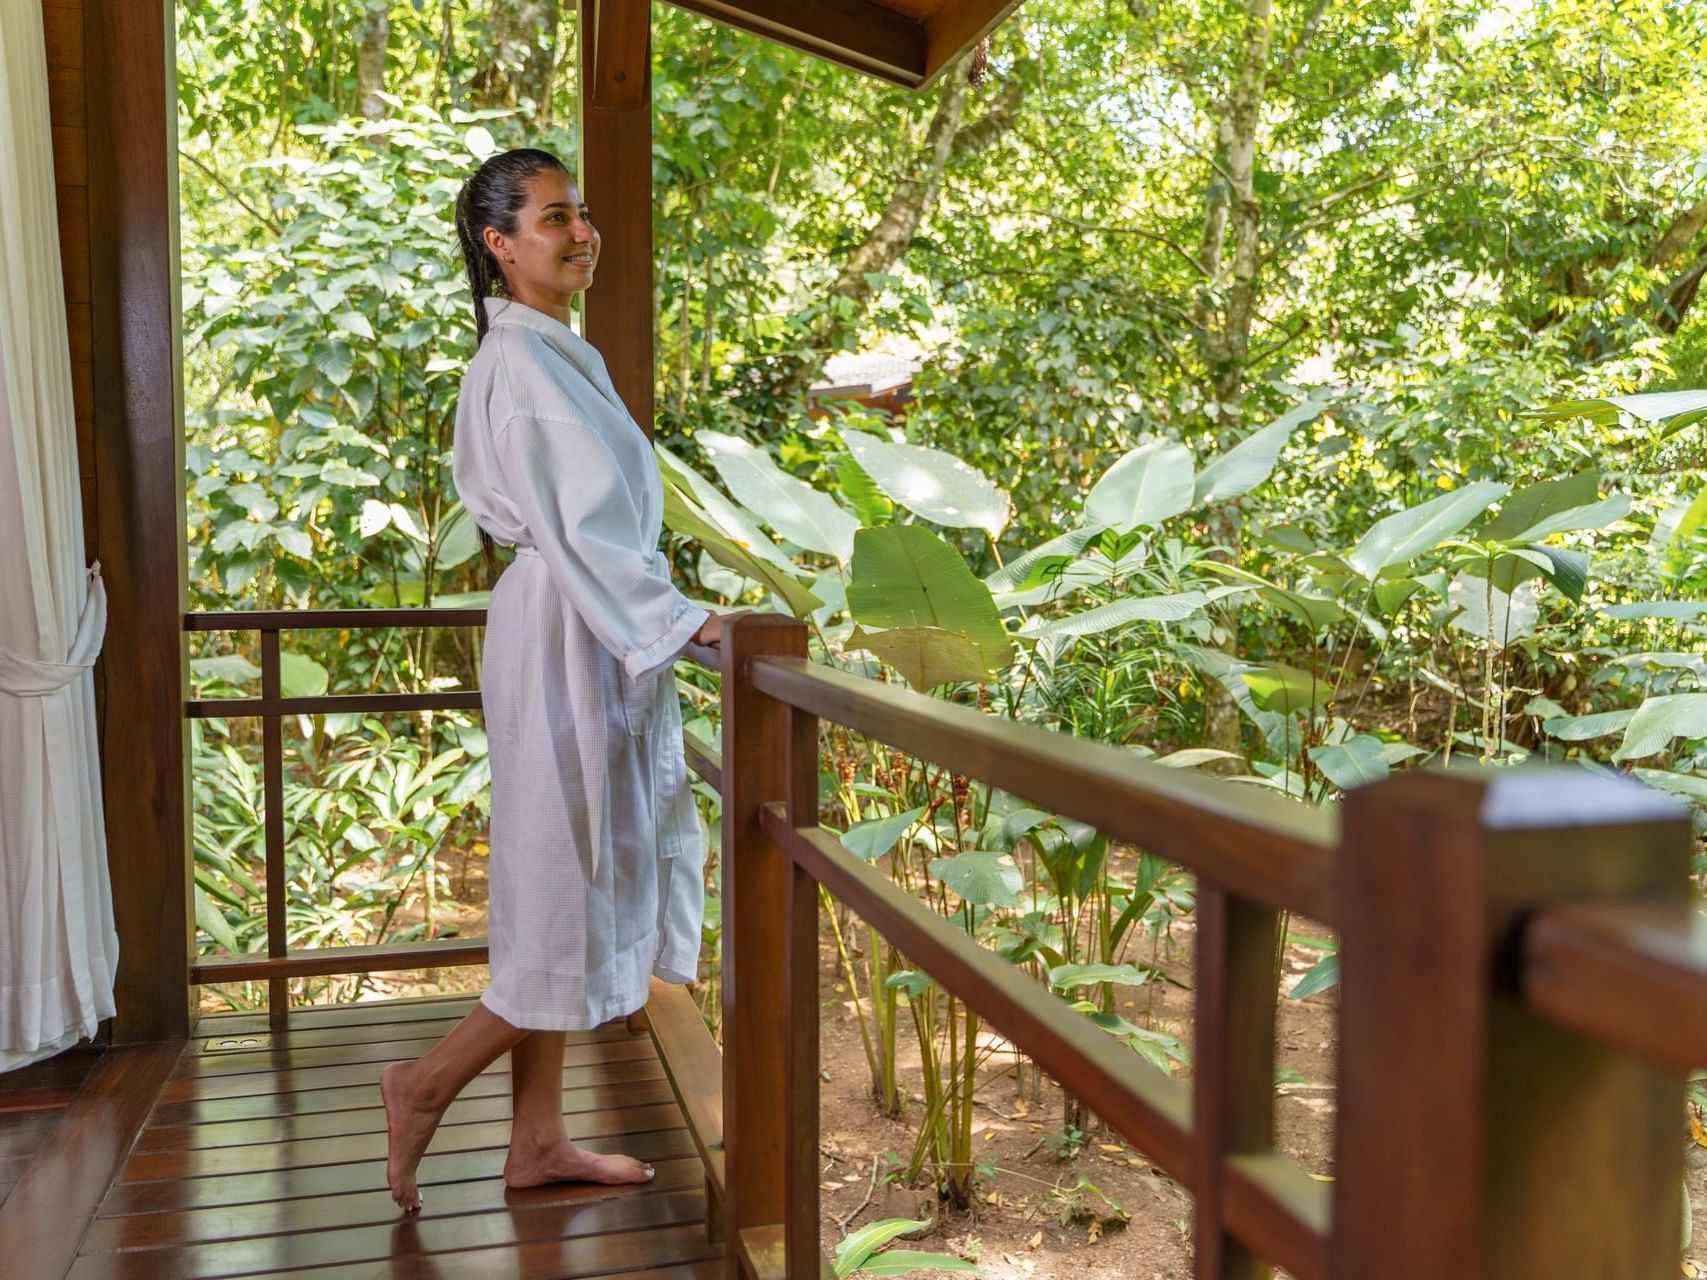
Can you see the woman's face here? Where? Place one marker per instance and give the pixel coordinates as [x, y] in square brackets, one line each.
[554, 249]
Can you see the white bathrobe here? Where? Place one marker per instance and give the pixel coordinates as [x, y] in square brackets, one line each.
[596, 872]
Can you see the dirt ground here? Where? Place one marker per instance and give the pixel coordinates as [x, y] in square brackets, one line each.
[1027, 1223]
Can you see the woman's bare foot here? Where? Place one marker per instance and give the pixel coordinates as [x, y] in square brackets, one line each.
[409, 1126]
[529, 1165]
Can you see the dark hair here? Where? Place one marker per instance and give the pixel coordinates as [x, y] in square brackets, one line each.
[492, 196]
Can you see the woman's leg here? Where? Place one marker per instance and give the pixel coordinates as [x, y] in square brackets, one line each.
[417, 1093]
[540, 1150]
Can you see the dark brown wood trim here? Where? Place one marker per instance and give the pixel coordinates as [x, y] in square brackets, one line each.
[1631, 974]
[855, 33]
[139, 508]
[333, 703]
[955, 27]
[1279, 1211]
[322, 962]
[616, 182]
[704, 759]
[47, 1212]
[331, 619]
[1277, 852]
[694, 1065]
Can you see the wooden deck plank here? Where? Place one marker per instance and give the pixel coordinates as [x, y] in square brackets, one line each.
[155, 1165]
[371, 1013]
[493, 1083]
[291, 1080]
[636, 1217]
[288, 1055]
[23, 1132]
[669, 1253]
[437, 1169]
[358, 1208]
[59, 1190]
[239, 1133]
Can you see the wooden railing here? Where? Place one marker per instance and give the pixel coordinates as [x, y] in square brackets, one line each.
[1524, 982]
[280, 964]
[1522, 987]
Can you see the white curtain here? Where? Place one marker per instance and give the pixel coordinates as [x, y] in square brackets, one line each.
[58, 949]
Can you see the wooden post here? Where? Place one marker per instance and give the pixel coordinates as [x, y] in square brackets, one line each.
[139, 510]
[1233, 1066]
[759, 905]
[804, 1168]
[1477, 1140]
[616, 182]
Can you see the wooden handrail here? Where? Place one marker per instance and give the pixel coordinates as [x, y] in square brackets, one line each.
[322, 962]
[330, 619]
[1629, 973]
[1272, 850]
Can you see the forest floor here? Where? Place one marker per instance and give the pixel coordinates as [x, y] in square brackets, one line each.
[1094, 1209]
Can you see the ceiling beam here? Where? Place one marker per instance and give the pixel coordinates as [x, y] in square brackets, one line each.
[956, 27]
[855, 33]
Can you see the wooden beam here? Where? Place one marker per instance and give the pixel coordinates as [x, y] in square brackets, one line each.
[616, 182]
[956, 27]
[855, 33]
[139, 469]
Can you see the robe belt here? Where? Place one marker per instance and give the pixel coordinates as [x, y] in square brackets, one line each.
[33, 678]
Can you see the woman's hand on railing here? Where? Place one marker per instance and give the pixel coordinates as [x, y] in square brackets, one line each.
[710, 633]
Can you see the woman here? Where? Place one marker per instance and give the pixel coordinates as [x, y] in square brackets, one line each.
[597, 855]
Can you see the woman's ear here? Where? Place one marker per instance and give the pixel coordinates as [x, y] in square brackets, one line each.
[494, 241]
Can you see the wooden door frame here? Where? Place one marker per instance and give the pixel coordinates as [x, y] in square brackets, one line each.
[138, 466]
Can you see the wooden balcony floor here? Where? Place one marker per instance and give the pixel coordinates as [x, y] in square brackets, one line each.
[244, 1153]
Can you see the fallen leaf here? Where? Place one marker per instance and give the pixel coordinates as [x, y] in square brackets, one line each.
[1697, 1132]
[1035, 1241]
[1093, 1233]
[1111, 1146]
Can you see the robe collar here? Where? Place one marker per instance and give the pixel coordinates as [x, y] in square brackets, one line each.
[574, 348]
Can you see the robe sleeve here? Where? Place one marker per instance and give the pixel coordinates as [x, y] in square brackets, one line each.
[587, 527]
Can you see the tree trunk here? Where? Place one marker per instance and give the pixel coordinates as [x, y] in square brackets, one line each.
[947, 139]
[522, 55]
[370, 58]
[1231, 258]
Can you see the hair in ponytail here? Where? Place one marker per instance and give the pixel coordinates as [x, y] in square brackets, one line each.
[492, 197]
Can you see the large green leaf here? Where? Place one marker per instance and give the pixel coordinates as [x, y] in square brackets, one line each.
[926, 657]
[1677, 409]
[898, 1262]
[1145, 487]
[870, 840]
[1323, 975]
[1408, 533]
[230, 668]
[1512, 615]
[981, 877]
[459, 538]
[1022, 572]
[301, 676]
[1358, 760]
[1251, 461]
[1285, 689]
[684, 516]
[931, 484]
[1691, 523]
[1171, 608]
[1535, 502]
[725, 516]
[858, 1246]
[792, 507]
[1658, 720]
[1068, 977]
[906, 576]
[1585, 728]
[1677, 610]
[1595, 515]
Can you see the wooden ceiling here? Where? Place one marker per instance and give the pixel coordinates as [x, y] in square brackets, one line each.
[908, 42]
